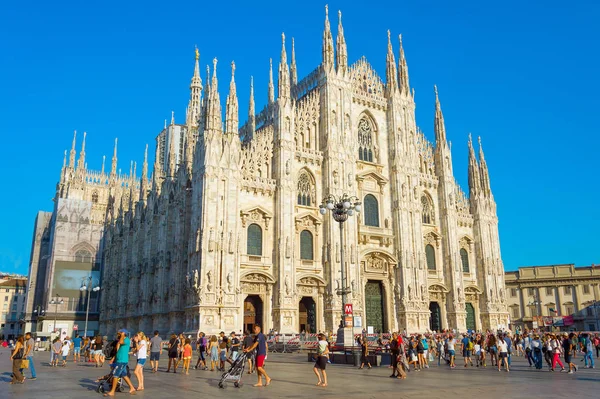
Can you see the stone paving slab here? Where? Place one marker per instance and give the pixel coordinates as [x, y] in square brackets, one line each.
[293, 378]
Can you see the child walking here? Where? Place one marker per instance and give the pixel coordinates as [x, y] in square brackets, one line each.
[187, 356]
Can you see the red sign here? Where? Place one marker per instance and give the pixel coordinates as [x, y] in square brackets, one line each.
[75, 327]
[348, 308]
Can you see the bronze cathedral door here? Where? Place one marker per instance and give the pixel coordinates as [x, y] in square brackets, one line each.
[375, 316]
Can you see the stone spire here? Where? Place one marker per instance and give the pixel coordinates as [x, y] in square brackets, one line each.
[341, 51]
[157, 172]
[103, 162]
[214, 120]
[172, 156]
[327, 43]
[193, 109]
[81, 161]
[390, 69]
[474, 176]
[293, 68]
[172, 117]
[440, 128]
[251, 112]
[271, 85]
[403, 71]
[113, 168]
[231, 111]
[73, 152]
[483, 170]
[283, 90]
[144, 181]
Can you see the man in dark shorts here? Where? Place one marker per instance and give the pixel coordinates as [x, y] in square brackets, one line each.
[569, 346]
[247, 343]
[260, 343]
[155, 350]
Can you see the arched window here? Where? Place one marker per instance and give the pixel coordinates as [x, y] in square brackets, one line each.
[430, 255]
[371, 211]
[83, 256]
[95, 197]
[306, 245]
[306, 189]
[366, 141]
[254, 243]
[464, 257]
[427, 211]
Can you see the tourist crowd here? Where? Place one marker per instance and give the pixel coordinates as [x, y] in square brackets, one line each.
[217, 352]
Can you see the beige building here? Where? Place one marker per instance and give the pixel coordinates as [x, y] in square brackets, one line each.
[555, 296]
[12, 306]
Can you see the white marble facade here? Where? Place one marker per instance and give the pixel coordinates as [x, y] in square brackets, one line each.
[176, 252]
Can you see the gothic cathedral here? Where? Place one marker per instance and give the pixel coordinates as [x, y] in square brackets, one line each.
[227, 232]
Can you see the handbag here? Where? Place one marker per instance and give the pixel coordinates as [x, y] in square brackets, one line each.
[25, 363]
[18, 355]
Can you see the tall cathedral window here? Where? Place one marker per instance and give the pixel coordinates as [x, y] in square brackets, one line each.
[254, 243]
[430, 255]
[306, 245]
[367, 148]
[464, 257]
[427, 211]
[95, 197]
[371, 211]
[306, 189]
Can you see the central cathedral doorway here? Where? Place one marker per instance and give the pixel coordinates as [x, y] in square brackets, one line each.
[374, 306]
[436, 317]
[307, 310]
[471, 325]
[253, 312]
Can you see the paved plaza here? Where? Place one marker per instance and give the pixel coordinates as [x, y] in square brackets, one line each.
[293, 378]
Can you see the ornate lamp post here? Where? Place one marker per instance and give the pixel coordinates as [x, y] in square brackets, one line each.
[342, 208]
[537, 304]
[86, 285]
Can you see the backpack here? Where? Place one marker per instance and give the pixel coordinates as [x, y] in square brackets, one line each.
[470, 345]
[110, 350]
[425, 344]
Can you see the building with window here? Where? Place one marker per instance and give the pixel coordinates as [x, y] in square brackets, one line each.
[227, 230]
[12, 306]
[555, 297]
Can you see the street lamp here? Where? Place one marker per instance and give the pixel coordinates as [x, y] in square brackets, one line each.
[341, 208]
[88, 287]
[536, 303]
[56, 302]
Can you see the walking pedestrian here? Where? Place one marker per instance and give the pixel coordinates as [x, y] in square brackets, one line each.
[451, 350]
[261, 346]
[28, 354]
[173, 353]
[556, 350]
[66, 348]
[569, 346]
[77, 348]
[121, 360]
[213, 348]
[503, 353]
[201, 348]
[321, 363]
[364, 353]
[247, 343]
[588, 351]
[155, 351]
[141, 350]
[187, 356]
[17, 356]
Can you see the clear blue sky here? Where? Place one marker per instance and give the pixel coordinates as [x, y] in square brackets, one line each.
[523, 75]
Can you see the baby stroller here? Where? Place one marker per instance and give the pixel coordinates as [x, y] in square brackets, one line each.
[105, 382]
[110, 351]
[236, 371]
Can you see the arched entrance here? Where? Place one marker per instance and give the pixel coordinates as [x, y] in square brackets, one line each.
[307, 315]
[374, 306]
[435, 320]
[253, 312]
[470, 316]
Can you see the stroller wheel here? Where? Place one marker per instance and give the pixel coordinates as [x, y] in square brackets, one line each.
[122, 388]
[100, 389]
[220, 385]
[236, 384]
